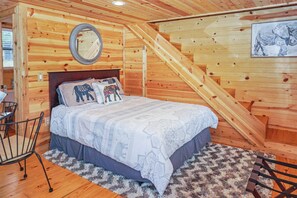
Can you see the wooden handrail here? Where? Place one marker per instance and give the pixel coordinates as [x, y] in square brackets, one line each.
[252, 129]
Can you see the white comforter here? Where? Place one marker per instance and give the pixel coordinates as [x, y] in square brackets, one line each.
[139, 132]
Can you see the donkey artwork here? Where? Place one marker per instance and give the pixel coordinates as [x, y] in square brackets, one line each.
[109, 91]
[83, 90]
[280, 36]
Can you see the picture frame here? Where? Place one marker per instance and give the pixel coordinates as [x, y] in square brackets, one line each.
[274, 39]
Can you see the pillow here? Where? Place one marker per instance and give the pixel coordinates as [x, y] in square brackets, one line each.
[77, 93]
[111, 81]
[99, 97]
[60, 97]
[110, 93]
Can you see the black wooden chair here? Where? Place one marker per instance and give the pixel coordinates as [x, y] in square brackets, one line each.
[21, 145]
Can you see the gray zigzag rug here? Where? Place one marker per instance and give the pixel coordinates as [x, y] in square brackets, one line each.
[217, 171]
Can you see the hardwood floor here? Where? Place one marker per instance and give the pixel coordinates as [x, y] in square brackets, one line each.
[64, 182]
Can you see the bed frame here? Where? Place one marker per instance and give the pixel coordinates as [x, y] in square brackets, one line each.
[56, 78]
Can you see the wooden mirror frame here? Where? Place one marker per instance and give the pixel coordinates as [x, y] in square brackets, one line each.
[73, 43]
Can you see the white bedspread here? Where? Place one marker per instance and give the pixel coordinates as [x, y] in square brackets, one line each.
[139, 132]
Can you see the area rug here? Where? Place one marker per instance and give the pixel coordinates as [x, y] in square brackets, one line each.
[217, 171]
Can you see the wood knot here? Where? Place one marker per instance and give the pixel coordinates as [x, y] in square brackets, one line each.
[214, 96]
[247, 78]
[286, 79]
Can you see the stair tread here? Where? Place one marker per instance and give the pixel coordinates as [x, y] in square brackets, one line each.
[155, 26]
[281, 136]
[216, 78]
[231, 91]
[203, 68]
[247, 104]
[177, 45]
[166, 36]
[263, 119]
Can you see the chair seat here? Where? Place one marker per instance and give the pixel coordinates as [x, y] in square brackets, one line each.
[16, 147]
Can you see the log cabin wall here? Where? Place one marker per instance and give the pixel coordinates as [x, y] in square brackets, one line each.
[8, 78]
[48, 34]
[133, 64]
[223, 43]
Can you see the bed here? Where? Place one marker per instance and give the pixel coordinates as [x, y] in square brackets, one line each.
[140, 138]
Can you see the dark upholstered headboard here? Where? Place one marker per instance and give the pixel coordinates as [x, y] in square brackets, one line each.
[56, 78]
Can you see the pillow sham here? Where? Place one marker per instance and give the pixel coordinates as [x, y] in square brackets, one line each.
[110, 93]
[111, 81]
[77, 93]
[60, 97]
[97, 91]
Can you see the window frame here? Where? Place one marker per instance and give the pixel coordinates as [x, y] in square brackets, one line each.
[7, 49]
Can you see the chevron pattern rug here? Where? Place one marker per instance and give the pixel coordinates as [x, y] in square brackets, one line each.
[217, 171]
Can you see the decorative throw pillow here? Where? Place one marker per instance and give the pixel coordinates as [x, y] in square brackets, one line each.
[77, 93]
[99, 97]
[110, 92]
[111, 81]
[60, 97]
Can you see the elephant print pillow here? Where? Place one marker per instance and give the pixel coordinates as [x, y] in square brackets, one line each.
[111, 81]
[78, 93]
[110, 93]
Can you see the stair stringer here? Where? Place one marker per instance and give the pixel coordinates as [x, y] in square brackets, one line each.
[228, 107]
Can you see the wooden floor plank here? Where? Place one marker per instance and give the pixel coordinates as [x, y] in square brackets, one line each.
[64, 182]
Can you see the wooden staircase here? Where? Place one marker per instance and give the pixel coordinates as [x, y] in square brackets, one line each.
[221, 100]
[279, 148]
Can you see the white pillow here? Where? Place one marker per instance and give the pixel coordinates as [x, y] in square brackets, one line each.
[77, 92]
[112, 80]
[110, 93]
[98, 95]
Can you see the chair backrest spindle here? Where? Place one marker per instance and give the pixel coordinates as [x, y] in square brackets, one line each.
[21, 143]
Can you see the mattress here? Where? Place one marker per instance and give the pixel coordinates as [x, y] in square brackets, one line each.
[139, 132]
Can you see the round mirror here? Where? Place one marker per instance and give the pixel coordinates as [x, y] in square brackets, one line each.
[85, 44]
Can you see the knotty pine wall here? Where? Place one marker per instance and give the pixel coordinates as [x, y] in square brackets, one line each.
[223, 44]
[8, 77]
[48, 34]
[163, 84]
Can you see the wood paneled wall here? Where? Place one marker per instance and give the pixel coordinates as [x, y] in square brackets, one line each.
[8, 78]
[163, 84]
[133, 64]
[223, 43]
[48, 34]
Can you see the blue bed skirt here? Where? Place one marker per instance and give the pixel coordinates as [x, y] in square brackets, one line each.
[90, 155]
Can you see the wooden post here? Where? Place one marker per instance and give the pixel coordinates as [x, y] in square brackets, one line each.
[144, 70]
[20, 60]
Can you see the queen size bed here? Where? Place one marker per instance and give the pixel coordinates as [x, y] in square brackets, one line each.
[139, 138]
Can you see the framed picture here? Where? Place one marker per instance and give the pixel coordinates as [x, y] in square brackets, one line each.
[274, 39]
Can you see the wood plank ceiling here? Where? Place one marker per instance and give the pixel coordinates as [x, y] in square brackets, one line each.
[147, 10]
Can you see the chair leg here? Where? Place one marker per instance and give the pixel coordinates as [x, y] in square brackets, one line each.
[40, 160]
[25, 165]
[21, 168]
